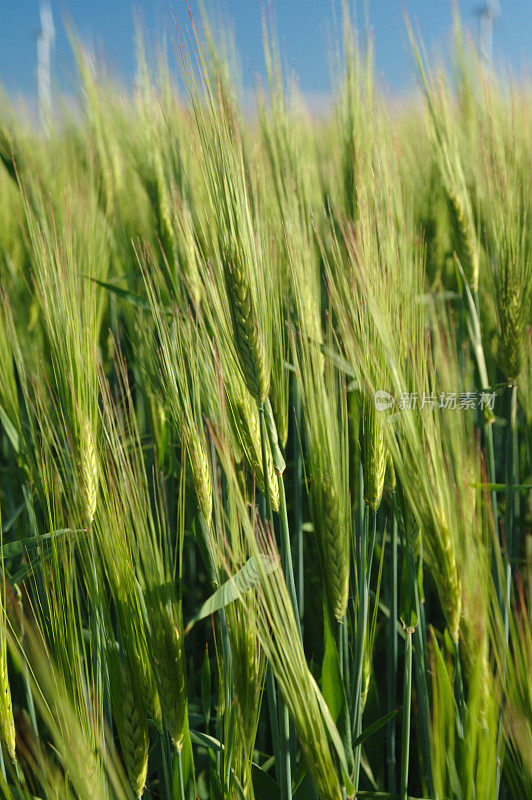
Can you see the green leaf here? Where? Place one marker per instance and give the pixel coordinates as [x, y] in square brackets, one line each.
[339, 361]
[28, 569]
[124, 294]
[216, 791]
[501, 487]
[369, 795]
[206, 687]
[264, 785]
[18, 548]
[299, 777]
[306, 789]
[205, 740]
[10, 430]
[13, 518]
[30, 566]
[366, 766]
[333, 689]
[331, 676]
[238, 787]
[374, 727]
[335, 738]
[432, 297]
[238, 585]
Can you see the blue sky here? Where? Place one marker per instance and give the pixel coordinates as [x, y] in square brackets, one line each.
[305, 29]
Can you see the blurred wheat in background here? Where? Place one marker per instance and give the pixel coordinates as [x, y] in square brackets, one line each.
[226, 571]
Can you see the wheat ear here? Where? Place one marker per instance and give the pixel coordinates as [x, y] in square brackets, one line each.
[333, 540]
[7, 724]
[171, 679]
[247, 336]
[466, 239]
[132, 726]
[201, 474]
[88, 467]
[374, 457]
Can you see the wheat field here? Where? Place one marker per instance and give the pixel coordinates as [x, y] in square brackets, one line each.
[265, 435]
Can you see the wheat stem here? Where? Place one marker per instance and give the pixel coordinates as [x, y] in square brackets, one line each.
[165, 758]
[180, 775]
[511, 465]
[274, 717]
[298, 498]
[284, 721]
[360, 638]
[286, 553]
[392, 662]
[420, 666]
[407, 703]
[475, 335]
[458, 690]
[263, 442]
